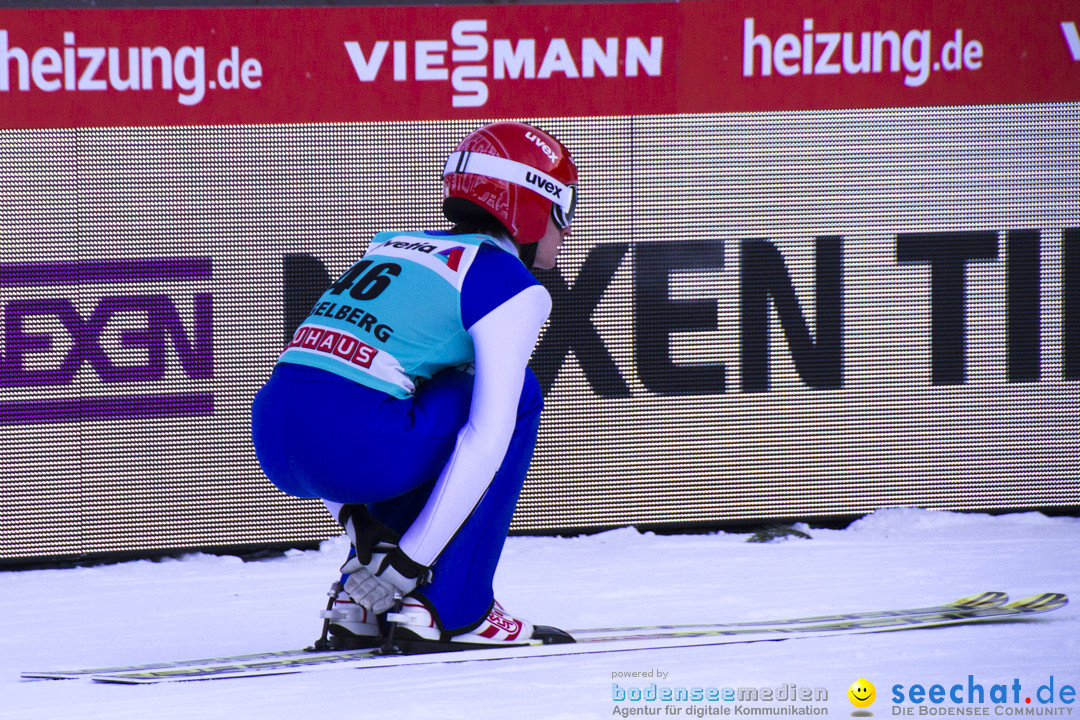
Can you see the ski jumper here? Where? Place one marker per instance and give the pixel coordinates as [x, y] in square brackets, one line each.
[374, 402]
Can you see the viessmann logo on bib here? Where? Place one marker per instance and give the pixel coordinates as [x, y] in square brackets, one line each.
[469, 59]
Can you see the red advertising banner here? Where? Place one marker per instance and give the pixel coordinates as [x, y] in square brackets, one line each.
[94, 68]
[777, 55]
[176, 67]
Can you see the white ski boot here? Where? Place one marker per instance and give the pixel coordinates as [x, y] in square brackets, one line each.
[417, 631]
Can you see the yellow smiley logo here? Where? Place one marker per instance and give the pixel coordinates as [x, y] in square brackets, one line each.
[862, 693]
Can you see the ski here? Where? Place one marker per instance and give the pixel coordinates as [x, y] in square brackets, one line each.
[867, 622]
[978, 601]
[272, 655]
[971, 602]
[976, 608]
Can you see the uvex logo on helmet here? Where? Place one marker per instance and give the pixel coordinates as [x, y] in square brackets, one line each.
[543, 146]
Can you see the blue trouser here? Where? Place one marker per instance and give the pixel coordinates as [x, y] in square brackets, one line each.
[319, 435]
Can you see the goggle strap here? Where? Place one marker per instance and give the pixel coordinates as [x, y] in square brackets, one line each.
[513, 172]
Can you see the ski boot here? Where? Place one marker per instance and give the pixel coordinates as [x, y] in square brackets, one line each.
[417, 631]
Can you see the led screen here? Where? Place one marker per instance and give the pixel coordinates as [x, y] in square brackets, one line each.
[765, 312]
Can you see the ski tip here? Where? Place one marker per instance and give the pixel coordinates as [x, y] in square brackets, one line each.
[1042, 602]
[982, 600]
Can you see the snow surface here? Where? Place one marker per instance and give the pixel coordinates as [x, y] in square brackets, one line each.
[202, 605]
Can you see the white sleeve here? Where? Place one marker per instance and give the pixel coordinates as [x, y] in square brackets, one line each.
[503, 341]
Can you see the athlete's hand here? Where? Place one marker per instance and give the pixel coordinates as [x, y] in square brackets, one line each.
[391, 574]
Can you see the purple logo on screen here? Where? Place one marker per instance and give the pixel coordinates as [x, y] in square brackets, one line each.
[103, 343]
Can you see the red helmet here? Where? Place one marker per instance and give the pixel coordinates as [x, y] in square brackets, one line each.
[515, 172]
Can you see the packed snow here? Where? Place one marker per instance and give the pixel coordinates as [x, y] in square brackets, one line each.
[202, 605]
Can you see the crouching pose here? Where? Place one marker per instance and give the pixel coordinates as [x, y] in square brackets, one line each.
[404, 400]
